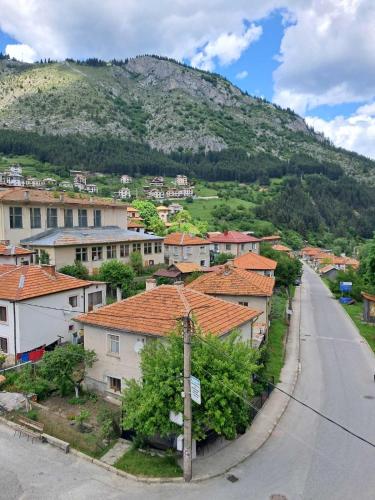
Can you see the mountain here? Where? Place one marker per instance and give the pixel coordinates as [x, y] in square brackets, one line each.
[161, 105]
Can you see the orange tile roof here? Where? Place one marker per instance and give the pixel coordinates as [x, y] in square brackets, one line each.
[180, 239]
[326, 269]
[12, 250]
[311, 251]
[158, 311]
[254, 262]
[368, 296]
[187, 267]
[41, 197]
[281, 248]
[232, 237]
[135, 223]
[234, 281]
[274, 237]
[25, 282]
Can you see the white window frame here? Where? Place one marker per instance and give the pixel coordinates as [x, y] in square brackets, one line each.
[74, 297]
[109, 378]
[111, 337]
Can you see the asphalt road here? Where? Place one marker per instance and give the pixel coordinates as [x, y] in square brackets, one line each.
[305, 458]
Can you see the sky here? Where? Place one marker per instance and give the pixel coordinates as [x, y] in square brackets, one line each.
[313, 56]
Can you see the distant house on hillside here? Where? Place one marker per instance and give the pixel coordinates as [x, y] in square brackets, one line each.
[233, 242]
[126, 179]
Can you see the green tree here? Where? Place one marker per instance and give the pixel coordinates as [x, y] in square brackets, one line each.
[183, 222]
[78, 270]
[225, 369]
[118, 275]
[43, 257]
[66, 366]
[136, 262]
[288, 268]
[222, 258]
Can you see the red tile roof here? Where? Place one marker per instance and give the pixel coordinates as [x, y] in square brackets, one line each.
[232, 237]
[41, 197]
[233, 281]
[158, 311]
[180, 239]
[254, 262]
[12, 250]
[25, 282]
[281, 248]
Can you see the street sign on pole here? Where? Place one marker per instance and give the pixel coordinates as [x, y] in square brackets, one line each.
[195, 387]
[176, 418]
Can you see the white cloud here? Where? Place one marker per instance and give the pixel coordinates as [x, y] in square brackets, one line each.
[125, 28]
[327, 55]
[227, 48]
[356, 133]
[242, 74]
[21, 52]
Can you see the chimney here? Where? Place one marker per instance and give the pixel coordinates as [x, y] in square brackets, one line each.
[228, 267]
[49, 268]
[225, 231]
[150, 284]
[62, 197]
[118, 294]
[26, 195]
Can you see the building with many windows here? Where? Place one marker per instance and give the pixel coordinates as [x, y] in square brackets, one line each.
[183, 247]
[233, 242]
[93, 246]
[25, 213]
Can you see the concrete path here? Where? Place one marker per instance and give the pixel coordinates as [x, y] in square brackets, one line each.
[264, 423]
[116, 452]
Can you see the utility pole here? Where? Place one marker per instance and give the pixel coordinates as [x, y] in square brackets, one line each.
[187, 458]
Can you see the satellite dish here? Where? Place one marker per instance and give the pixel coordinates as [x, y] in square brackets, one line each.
[138, 346]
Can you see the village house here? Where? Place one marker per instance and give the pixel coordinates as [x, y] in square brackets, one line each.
[257, 263]
[155, 194]
[12, 255]
[37, 305]
[242, 287]
[93, 246]
[49, 181]
[91, 188]
[181, 180]
[163, 213]
[118, 332]
[66, 185]
[179, 271]
[233, 242]
[282, 249]
[183, 247]
[25, 213]
[175, 208]
[124, 193]
[329, 272]
[179, 192]
[13, 176]
[34, 182]
[271, 240]
[126, 179]
[157, 181]
[368, 307]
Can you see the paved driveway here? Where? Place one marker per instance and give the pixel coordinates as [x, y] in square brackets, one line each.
[305, 458]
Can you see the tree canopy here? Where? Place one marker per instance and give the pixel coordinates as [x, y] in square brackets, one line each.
[224, 368]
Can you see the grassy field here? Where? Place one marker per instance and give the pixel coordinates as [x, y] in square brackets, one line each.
[145, 464]
[276, 335]
[365, 329]
[202, 209]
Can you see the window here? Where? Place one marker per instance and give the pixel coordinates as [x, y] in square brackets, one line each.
[113, 344]
[81, 254]
[203, 263]
[147, 247]
[73, 301]
[97, 218]
[151, 263]
[111, 251]
[4, 345]
[136, 247]
[35, 218]
[94, 299]
[15, 217]
[228, 246]
[124, 250]
[97, 253]
[242, 246]
[202, 249]
[68, 217]
[246, 304]
[158, 247]
[3, 314]
[82, 217]
[114, 384]
[51, 217]
[189, 250]
[175, 250]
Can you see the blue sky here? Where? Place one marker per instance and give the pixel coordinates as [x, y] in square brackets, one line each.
[312, 56]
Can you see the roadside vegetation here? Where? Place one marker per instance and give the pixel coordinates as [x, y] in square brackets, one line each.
[143, 463]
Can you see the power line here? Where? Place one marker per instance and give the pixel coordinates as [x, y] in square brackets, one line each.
[346, 429]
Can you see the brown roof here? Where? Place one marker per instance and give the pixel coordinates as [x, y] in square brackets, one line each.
[234, 281]
[134, 223]
[25, 282]
[368, 296]
[12, 250]
[158, 311]
[281, 248]
[255, 262]
[180, 239]
[326, 269]
[232, 237]
[42, 197]
[187, 267]
[274, 237]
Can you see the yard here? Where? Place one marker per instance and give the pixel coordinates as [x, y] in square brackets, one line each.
[365, 329]
[144, 463]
